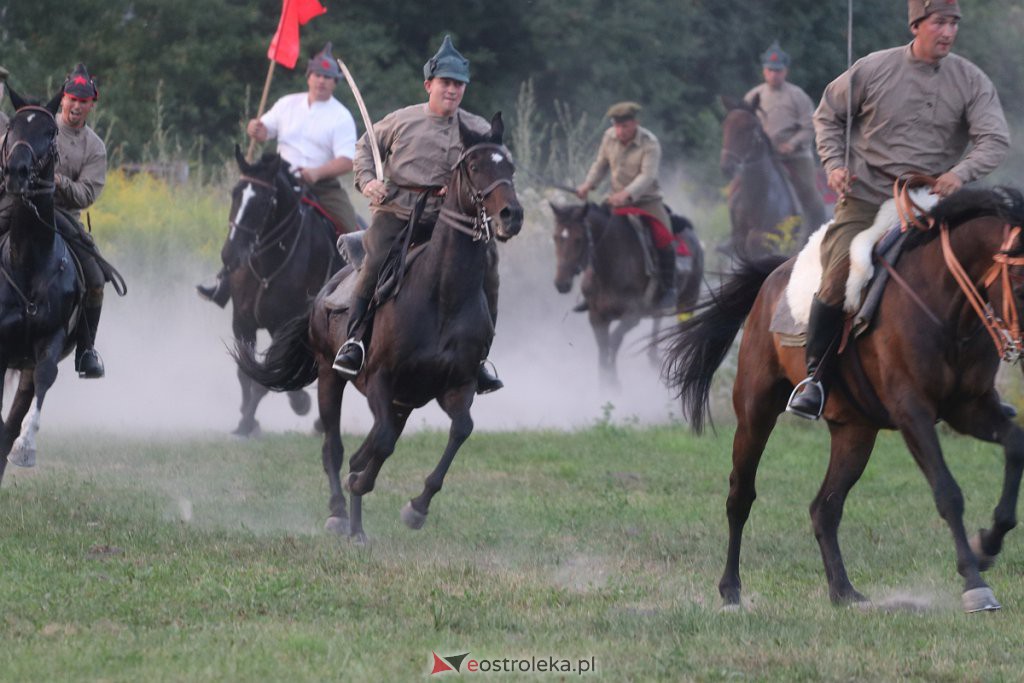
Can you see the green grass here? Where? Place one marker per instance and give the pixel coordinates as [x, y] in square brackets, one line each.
[203, 560]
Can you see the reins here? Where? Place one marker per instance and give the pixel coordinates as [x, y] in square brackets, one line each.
[1004, 329]
[475, 222]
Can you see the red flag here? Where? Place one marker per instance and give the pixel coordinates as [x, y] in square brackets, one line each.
[284, 48]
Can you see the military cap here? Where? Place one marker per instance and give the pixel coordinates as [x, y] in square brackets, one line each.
[447, 63]
[4, 73]
[623, 111]
[324, 64]
[919, 9]
[774, 58]
[80, 84]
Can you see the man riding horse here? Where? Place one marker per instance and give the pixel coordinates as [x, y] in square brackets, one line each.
[420, 146]
[631, 155]
[80, 174]
[316, 135]
[915, 108]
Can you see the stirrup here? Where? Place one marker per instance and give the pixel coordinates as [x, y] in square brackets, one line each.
[797, 393]
[348, 346]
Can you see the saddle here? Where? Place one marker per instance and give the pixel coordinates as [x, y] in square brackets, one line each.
[651, 234]
[882, 241]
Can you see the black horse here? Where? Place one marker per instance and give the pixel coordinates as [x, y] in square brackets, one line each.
[616, 282]
[427, 341]
[279, 255]
[40, 289]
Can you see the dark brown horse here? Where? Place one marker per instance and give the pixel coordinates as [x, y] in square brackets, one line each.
[40, 288]
[615, 283]
[763, 208]
[427, 341]
[279, 254]
[928, 357]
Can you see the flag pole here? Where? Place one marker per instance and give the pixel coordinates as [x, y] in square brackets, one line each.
[378, 166]
[259, 110]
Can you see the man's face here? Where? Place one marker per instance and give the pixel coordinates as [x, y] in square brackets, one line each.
[444, 95]
[74, 111]
[934, 37]
[320, 87]
[774, 77]
[625, 130]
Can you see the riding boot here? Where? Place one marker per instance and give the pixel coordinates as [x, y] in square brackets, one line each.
[808, 397]
[88, 363]
[486, 382]
[218, 292]
[349, 360]
[667, 302]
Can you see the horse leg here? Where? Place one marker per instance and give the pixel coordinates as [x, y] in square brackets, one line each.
[330, 388]
[923, 442]
[985, 420]
[23, 452]
[252, 392]
[19, 408]
[456, 404]
[388, 424]
[851, 448]
[758, 404]
[652, 348]
[605, 360]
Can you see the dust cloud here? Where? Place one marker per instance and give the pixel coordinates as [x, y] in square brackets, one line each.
[168, 370]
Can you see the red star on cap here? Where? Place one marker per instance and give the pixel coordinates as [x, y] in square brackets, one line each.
[325, 64]
[80, 80]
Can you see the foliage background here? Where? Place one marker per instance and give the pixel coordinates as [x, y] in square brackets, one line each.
[179, 76]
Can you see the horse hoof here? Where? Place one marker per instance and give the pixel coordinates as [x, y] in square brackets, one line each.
[985, 561]
[980, 600]
[337, 525]
[300, 402]
[252, 431]
[731, 608]
[22, 457]
[359, 538]
[411, 517]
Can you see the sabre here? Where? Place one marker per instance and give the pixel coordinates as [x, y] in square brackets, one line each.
[377, 164]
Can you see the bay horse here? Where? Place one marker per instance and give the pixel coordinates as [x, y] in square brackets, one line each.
[763, 208]
[41, 289]
[427, 340]
[279, 256]
[615, 282]
[929, 356]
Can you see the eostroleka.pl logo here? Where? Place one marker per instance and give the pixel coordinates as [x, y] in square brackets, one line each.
[460, 664]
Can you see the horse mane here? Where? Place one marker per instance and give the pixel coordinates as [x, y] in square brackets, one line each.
[970, 203]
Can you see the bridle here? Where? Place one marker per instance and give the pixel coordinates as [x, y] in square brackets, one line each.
[1004, 328]
[755, 152]
[473, 221]
[588, 244]
[36, 186]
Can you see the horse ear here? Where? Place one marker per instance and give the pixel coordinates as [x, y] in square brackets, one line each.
[54, 102]
[755, 102]
[497, 128]
[559, 211]
[243, 165]
[729, 102]
[16, 100]
[469, 136]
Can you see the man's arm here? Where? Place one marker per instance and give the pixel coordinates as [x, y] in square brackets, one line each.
[803, 130]
[81, 193]
[650, 164]
[987, 130]
[598, 170]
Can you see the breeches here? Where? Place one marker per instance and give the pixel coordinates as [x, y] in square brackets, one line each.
[851, 219]
[83, 245]
[335, 200]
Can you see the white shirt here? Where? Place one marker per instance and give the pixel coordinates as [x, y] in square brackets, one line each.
[311, 135]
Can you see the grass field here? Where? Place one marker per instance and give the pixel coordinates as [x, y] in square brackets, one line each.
[202, 559]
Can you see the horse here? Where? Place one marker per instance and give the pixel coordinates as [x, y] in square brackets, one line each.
[279, 257]
[41, 289]
[427, 340]
[615, 280]
[763, 208]
[927, 357]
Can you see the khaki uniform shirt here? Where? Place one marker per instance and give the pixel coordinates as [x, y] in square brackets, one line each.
[786, 115]
[911, 116]
[633, 166]
[418, 149]
[82, 161]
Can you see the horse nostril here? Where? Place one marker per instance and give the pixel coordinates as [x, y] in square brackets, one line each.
[512, 215]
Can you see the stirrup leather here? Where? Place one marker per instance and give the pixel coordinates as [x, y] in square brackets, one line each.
[343, 350]
[797, 391]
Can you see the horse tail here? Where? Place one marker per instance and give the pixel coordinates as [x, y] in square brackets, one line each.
[697, 346]
[289, 364]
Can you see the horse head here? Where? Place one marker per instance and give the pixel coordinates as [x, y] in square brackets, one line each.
[743, 138]
[483, 182]
[30, 147]
[572, 244]
[262, 194]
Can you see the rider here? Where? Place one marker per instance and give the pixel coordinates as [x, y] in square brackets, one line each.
[419, 146]
[316, 135]
[631, 155]
[785, 112]
[917, 107]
